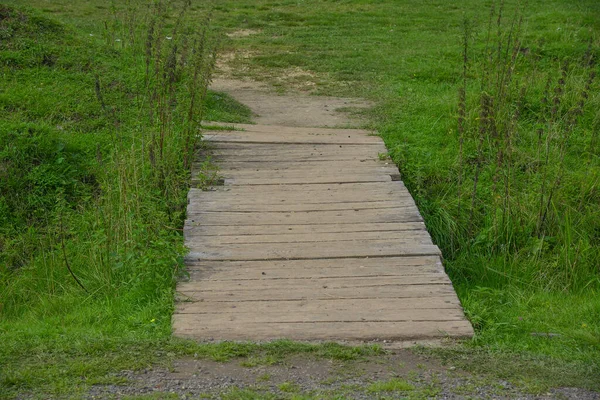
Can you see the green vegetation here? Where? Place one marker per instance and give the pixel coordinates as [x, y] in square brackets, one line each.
[288, 387]
[392, 388]
[392, 385]
[507, 183]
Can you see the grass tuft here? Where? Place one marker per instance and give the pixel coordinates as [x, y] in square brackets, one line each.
[392, 385]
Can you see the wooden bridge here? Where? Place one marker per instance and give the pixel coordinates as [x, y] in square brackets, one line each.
[311, 237]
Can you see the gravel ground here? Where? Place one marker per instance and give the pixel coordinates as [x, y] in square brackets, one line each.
[199, 378]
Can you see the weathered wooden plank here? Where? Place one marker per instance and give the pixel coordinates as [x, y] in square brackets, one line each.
[305, 268]
[291, 282]
[399, 236]
[374, 247]
[285, 135]
[350, 190]
[265, 171]
[332, 314]
[192, 227]
[232, 164]
[307, 217]
[256, 137]
[234, 196]
[219, 156]
[304, 195]
[207, 145]
[303, 308]
[301, 293]
[261, 151]
[187, 325]
[339, 271]
[296, 130]
[282, 251]
[307, 179]
[284, 206]
[252, 177]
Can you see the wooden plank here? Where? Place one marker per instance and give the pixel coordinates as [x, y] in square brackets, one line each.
[320, 177]
[321, 286]
[333, 199]
[405, 306]
[292, 282]
[280, 165]
[300, 293]
[400, 236]
[187, 325]
[248, 148]
[292, 152]
[219, 156]
[303, 196]
[307, 179]
[192, 227]
[261, 152]
[284, 135]
[283, 206]
[294, 178]
[331, 314]
[288, 130]
[363, 263]
[282, 251]
[252, 137]
[384, 266]
[346, 189]
[406, 214]
[339, 271]
[307, 194]
[269, 171]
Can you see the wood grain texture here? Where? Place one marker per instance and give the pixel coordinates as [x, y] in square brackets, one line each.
[197, 228]
[319, 217]
[246, 133]
[312, 237]
[200, 327]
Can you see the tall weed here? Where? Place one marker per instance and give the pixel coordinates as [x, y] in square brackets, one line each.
[527, 163]
[104, 209]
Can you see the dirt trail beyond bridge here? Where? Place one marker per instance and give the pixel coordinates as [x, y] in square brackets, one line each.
[312, 237]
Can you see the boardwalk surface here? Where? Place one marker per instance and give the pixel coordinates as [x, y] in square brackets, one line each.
[312, 237]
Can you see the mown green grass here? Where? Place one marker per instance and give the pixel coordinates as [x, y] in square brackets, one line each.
[406, 56]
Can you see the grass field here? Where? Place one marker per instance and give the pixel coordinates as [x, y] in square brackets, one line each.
[516, 213]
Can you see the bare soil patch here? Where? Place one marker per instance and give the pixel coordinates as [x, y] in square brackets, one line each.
[293, 109]
[243, 33]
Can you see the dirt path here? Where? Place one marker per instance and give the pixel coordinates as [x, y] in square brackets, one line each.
[293, 110]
